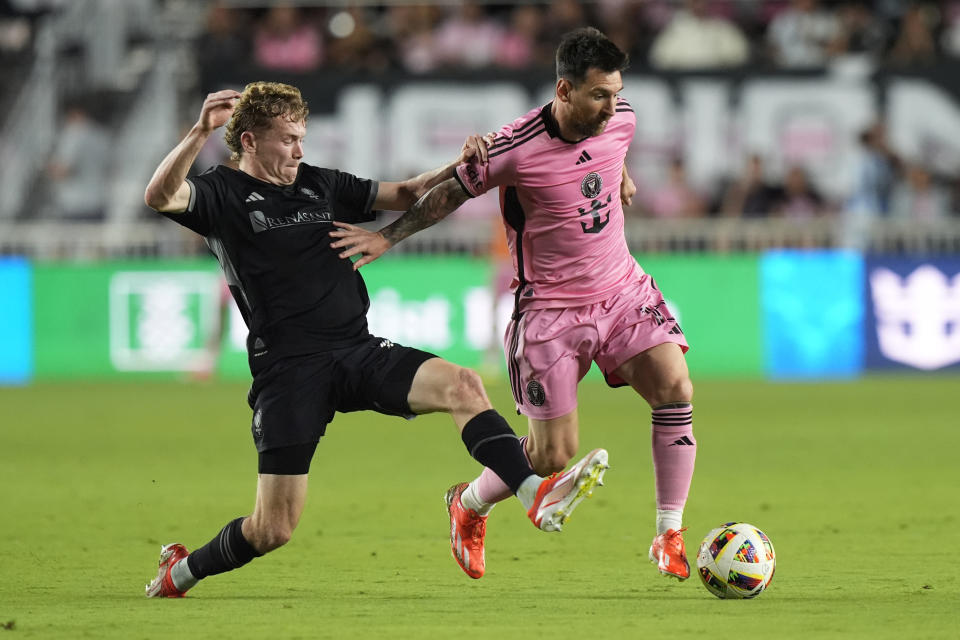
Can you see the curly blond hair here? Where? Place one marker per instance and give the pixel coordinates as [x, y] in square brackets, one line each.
[259, 104]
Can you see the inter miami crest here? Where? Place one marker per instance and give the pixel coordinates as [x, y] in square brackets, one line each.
[535, 393]
[591, 185]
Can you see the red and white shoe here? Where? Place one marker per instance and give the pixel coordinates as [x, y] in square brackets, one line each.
[162, 586]
[668, 552]
[558, 495]
[467, 530]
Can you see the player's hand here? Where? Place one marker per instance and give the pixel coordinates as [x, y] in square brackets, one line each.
[476, 146]
[369, 245]
[627, 188]
[217, 109]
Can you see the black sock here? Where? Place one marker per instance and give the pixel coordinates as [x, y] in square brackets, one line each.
[227, 551]
[492, 443]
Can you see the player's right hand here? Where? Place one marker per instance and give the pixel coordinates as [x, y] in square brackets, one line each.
[476, 145]
[218, 109]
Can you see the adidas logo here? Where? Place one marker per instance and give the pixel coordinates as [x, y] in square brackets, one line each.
[386, 344]
[684, 441]
[253, 197]
[584, 157]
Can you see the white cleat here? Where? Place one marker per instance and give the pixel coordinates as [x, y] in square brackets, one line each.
[558, 495]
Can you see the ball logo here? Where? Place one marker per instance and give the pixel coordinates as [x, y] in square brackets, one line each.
[591, 185]
[535, 393]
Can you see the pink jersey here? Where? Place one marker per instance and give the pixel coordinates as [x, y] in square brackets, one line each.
[561, 207]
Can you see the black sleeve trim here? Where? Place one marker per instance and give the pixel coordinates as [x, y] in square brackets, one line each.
[456, 177]
[372, 198]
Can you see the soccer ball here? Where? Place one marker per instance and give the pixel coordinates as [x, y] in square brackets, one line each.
[736, 561]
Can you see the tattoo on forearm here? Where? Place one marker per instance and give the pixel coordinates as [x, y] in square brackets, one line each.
[434, 206]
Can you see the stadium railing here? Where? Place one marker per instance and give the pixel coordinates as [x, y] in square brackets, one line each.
[78, 241]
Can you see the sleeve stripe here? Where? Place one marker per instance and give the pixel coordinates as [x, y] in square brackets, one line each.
[193, 195]
[517, 132]
[374, 190]
[517, 143]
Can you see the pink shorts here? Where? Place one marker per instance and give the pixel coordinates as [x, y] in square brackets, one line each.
[550, 350]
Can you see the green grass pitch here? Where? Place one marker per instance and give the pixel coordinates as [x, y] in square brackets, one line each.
[857, 484]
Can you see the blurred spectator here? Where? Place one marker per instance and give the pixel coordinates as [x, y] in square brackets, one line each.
[564, 16]
[15, 30]
[876, 169]
[226, 42]
[915, 44]
[950, 41]
[860, 31]
[520, 47]
[803, 35]
[468, 37]
[286, 41]
[750, 196]
[675, 198]
[623, 22]
[695, 40]
[799, 200]
[918, 198]
[78, 170]
[355, 44]
[411, 27]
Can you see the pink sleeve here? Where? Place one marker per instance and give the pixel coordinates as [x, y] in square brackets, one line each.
[479, 178]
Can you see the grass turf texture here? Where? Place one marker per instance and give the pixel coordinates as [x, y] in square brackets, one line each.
[856, 483]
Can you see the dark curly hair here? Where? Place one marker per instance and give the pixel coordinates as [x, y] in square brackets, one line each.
[587, 48]
[259, 104]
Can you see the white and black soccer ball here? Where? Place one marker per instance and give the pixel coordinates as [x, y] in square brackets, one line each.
[736, 560]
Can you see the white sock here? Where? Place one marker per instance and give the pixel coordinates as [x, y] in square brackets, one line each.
[527, 492]
[669, 519]
[471, 500]
[181, 576]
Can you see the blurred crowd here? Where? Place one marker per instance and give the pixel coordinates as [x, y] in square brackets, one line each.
[670, 35]
[885, 186]
[664, 34]
[667, 35]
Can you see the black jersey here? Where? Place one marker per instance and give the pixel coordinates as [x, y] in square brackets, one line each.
[295, 293]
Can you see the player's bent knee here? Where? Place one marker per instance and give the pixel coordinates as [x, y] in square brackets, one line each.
[679, 390]
[466, 392]
[274, 538]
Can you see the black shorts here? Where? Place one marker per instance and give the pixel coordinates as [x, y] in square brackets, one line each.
[294, 399]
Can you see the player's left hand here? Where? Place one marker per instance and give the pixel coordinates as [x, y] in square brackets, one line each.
[627, 188]
[476, 145]
[369, 245]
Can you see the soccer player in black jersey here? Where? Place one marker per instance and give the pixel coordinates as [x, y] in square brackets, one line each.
[310, 352]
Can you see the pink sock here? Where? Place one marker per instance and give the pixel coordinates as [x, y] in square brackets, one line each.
[674, 453]
[490, 488]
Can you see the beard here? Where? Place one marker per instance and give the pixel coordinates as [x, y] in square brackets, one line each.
[590, 127]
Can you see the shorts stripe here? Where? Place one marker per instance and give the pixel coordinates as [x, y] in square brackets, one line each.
[513, 366]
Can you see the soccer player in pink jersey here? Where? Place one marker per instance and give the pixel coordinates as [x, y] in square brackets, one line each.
[580, 297]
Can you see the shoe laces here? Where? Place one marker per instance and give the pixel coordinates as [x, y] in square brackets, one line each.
[675, 538]
[478, 530]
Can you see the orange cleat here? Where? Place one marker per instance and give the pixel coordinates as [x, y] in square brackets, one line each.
[162, 586]
[467, 529]
[670, 555]
[558, 495]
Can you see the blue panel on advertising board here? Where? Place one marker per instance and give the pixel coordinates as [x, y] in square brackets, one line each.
[16, 330]
[812, 302]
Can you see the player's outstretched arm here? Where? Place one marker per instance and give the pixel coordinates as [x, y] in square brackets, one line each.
[168, 190]
[399, 196]
[433, 207]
